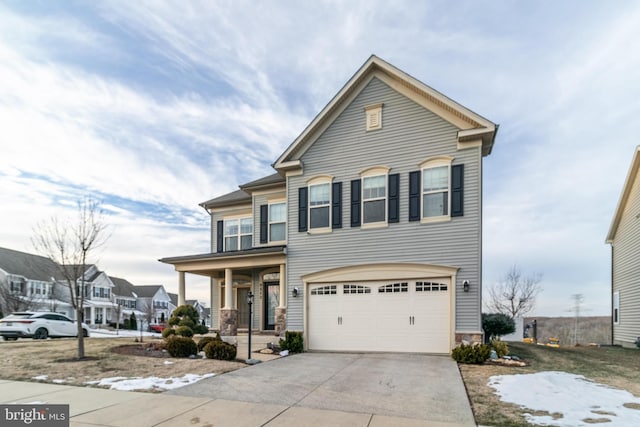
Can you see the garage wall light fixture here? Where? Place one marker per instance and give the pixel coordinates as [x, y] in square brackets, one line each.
[295, 292]
[466, 286]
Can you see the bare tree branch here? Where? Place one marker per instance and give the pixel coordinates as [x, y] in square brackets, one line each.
[515, 295]
[70, 244]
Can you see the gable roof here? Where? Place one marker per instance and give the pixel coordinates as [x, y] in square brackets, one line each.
[123, 287]
[174, 298]
[472, 126]
[147, 291]
[624, 196]
[30, 266]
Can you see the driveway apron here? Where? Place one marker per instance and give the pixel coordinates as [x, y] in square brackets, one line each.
[414, 386]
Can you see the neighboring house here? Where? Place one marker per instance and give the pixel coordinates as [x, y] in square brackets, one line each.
[369, 235]
[125, 299]
[98, 304]
[624, 238]
[153, 301]
[28, 282]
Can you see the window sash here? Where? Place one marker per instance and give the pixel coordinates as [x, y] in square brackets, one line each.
[374, 199]
[319, 205]
[277, 222]
[238, 230]
[435, 191]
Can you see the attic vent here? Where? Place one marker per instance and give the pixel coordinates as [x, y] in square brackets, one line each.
[374, 116]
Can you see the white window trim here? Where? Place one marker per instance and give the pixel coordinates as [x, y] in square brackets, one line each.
[616, 306]
[319, 180]
[370, 173]
[277, 202]
[434, 162]
[239, 218]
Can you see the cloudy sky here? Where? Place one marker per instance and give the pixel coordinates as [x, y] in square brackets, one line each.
[153, 107]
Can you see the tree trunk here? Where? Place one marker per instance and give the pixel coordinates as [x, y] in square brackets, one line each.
[80, 334]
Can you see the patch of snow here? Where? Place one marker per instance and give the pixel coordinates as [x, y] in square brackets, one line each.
[284, 353]
[168, 362]
[59, 381]
[573, 396]
[125, 333]
[149, 383]
[40, 378]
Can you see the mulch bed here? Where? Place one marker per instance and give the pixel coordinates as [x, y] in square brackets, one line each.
[141, 349]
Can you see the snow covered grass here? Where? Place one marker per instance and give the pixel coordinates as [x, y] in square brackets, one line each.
[567, 399]
[149, 383]
[122, 333]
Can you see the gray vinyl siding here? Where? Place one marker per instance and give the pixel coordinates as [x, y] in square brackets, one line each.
[626, 269]
[259, 200]
[410, 134]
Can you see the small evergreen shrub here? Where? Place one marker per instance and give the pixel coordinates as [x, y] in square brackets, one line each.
[168, 332]
[220, 350]
[501, 347]
[472, 354]
[181, 346]
[184, 331]
[186, 321]
[203, 342]
[292, 341]
[200, 329]
[496, 325]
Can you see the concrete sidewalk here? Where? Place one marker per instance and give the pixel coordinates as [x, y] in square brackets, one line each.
[110, 408]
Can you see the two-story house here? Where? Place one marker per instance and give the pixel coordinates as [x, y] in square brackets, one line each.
[153, 301]
[369, 235]
[98, 299]
[624, 238]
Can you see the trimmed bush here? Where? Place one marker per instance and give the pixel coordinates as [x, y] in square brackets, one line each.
[220, 350]
[496, 325]
[204, 341]
[181, 346]
[184, 331]
[501, 347]
[200, 330]
[168, 332]
[472, 354]
[293, 342]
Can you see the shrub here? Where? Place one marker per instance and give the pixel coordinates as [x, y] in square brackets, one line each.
[184, 331]
[203, 342]
[186, 321]
[132, 322]
[181, 346]
[475, 354]
[200, 330]
[501, 347]
[220, 350]
[168, 332]
[292, 341]
[496, 325]
[184, 311]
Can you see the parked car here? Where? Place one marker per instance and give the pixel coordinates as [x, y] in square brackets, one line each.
[157, 328]
[39, 325]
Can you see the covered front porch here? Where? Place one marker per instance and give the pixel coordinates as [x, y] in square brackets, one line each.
[261, 271]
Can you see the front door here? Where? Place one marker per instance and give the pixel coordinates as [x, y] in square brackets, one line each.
[271, 302]
[243, 308]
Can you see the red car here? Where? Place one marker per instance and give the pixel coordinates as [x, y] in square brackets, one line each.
[157, 328]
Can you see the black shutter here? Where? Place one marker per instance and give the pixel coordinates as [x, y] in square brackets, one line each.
[355, 203]
[336, 205]
[302, 209]
[220, 236]
[264, 223]
[457, 185]
[394, 198]
[414, 196]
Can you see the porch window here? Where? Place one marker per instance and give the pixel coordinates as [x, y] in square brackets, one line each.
[277, 222]
[238, 234]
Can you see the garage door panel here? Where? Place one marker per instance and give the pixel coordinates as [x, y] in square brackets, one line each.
[394, 316]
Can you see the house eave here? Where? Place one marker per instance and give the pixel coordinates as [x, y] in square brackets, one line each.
[624, 195]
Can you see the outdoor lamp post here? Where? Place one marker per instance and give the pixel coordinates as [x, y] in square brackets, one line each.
[250, 302]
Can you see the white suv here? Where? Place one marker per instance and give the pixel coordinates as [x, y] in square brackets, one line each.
[39, 325]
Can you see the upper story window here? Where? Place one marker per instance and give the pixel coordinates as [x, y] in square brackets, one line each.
[238, 234]
[374, 195]
[320, 204]
[436, 199]
[277, 221]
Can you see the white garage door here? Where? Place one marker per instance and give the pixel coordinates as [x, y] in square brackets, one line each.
[398, 316]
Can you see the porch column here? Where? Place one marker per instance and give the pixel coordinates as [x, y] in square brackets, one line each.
[181, 289]
[213, 290]
[281, 310]
[228, 315]
[92, 313]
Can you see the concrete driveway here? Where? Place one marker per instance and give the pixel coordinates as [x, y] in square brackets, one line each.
[413, 386]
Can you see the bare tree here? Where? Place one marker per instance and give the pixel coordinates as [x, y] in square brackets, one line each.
[70, 244]
[515, 295]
